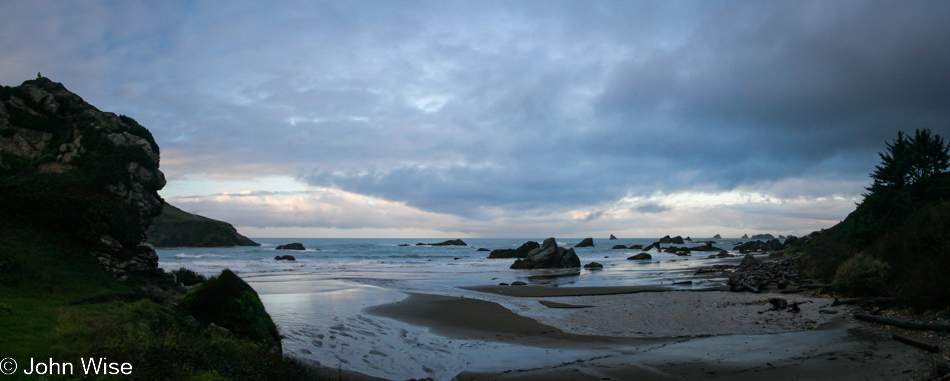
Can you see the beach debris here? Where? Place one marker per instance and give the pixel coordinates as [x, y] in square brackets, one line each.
[594, 266]
[903, 323]
[641, 256]
[916, 342]
[549, 255]
[285, 258]
[291, 246]
[685, 282]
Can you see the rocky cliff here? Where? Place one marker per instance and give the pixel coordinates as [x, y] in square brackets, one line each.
[66, 165]
[177, 228]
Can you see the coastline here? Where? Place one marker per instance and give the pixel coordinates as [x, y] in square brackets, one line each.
[723, 338]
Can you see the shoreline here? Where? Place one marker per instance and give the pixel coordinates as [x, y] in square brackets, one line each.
[809, 344]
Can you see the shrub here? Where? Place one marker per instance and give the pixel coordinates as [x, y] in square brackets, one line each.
[862, 275]
[188, 277]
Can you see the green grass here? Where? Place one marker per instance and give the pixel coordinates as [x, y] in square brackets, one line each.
[55, 301]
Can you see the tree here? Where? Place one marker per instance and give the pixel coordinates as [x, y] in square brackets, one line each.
[914, 161]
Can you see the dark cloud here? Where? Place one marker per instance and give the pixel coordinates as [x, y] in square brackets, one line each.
[482, 109]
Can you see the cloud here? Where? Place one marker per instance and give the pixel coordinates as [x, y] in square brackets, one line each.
[481, 114]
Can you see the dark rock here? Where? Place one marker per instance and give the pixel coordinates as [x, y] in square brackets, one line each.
[618, 247]
[453, 242]
[791, 241]
[745, 236]
[688, 239]
[291, 246]
[404, 244]
[749, 261]
[549, 255]
[677, 241]
[655, 245]
[503, 284]
[587, 242]
[229, 302]
[612, 237]
[482, 249]
[641, 256]
[285, 258]
[594, 266]
[665, 239]
[518, 283]
[520, 252]
[764, 237]
[636, 247]
[717, 236]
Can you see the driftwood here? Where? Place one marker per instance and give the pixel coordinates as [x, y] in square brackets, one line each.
[915, 342]
[838, 302]
[904, 323]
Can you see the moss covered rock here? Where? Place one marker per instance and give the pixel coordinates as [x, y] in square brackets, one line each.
[227, 301]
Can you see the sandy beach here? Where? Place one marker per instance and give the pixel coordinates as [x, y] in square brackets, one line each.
[666, 335]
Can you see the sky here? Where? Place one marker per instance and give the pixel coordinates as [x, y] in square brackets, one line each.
[503, 118]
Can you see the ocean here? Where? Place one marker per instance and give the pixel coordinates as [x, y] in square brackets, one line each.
[319, 301]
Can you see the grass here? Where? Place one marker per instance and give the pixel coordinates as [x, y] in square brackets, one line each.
[55, 301]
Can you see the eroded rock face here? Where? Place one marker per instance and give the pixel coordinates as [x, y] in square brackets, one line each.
[548, 256]
[105, 166]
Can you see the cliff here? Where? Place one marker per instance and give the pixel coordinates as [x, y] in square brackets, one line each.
[69, 167]
[177, 228]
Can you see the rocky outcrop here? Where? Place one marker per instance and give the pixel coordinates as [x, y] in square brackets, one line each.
[291, 246]
[285, 258]
[665, 239]
[520, 252]
[229, 302]
[66, 165]
[717, 236]
[641, 257]
[612, 237]
[177, 228]
[763, 237]
[618, 247]
[586, 242]
[754, 246]
[745, 236]
[594, 266]
[549, 255]
[453, 242]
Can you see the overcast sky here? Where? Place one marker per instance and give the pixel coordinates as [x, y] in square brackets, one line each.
[502, 119]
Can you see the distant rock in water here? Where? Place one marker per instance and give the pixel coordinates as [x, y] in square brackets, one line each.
[665, 239]
[612, 237]
[594, 266]
[177, 228]
[717, 236]
[619, 247]
[548, 256]
[285, 258]
[678, 240]
[454, 242]
[641, 256]
[520, 252]
[587, 242]
[482, 249]
[291, 246]
[764, 237]
[745, 236]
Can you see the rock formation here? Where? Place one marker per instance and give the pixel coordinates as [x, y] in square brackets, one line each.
[586, 242]
[291, 246]
[453, 242]
[612, 237]
[68, 166]
[641, 256]
[177, 228]
[549, 255]
[717, 236]
[764, 237]
[520, 252]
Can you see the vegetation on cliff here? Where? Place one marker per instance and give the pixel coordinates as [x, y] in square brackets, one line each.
[897, 240]
[177, 228]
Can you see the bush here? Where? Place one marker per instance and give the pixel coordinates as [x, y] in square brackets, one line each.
[862, 275]
[188, 277]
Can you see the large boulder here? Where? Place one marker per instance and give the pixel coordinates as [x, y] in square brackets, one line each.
[548, 256]
[641, 257]
[291, 246]
[678, 240]
[227, 301]
[586, 242]
[666, 239]
[520, 252]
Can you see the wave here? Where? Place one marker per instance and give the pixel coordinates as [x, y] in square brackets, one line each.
[183, 255]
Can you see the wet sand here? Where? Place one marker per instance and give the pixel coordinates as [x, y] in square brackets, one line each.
[665, 335]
